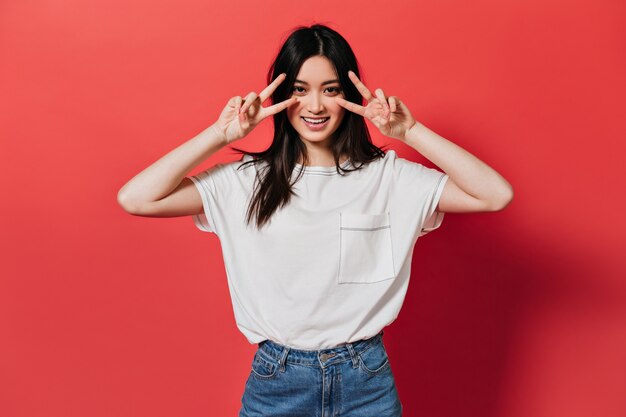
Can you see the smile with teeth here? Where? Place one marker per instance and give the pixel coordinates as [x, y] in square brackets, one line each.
[315, 121]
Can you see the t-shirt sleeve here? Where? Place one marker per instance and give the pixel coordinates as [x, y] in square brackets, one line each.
[420, 188]
[207, 183]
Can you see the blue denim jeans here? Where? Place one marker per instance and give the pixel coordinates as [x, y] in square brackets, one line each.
[350, 380]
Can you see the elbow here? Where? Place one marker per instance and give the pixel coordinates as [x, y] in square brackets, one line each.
[503, 200]
[127, 203]
[134, 206]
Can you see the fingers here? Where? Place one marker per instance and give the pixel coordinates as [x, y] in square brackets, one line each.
[381, 96]
[264, 95]
[248, 100]
[237, 104]
[278, 107]
[348, 105]
[367, 95]
[393, 103]
[267, 91]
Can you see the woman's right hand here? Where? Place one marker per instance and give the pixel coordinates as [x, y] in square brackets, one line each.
[241, 115]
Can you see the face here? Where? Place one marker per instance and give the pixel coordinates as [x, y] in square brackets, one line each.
[316, 116]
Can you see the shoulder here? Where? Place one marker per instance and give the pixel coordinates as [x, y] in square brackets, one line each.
[399, 164]
[228, 169]
[392, 162]
[407, 170]
[244, 163]
[380, 162]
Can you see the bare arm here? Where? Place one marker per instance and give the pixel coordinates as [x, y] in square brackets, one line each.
[144, 194]
[162, 190]
[473, 185]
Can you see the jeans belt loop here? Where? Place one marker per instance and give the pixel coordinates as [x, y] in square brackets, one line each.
[353, 355]
[283, 358]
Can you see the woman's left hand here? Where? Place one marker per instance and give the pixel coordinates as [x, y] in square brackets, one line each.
[390, 116]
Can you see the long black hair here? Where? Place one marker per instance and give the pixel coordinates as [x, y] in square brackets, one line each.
[273, 186]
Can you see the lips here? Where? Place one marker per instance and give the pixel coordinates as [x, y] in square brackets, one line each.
[316, 123]
[315, 120]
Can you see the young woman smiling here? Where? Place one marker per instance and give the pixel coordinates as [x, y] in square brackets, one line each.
[317, 230]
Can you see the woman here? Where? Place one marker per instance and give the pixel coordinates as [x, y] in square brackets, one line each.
[318, 230]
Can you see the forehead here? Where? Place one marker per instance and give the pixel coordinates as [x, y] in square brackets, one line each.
[316, 70]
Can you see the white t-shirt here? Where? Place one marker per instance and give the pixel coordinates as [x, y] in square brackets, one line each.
[333, 265]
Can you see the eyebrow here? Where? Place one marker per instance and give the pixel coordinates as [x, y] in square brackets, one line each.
[324, 83]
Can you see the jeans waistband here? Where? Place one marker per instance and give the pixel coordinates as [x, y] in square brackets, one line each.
[321, 357]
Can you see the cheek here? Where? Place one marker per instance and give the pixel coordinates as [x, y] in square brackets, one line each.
[339, 111]
[295, 108]
[335, 108]
[293, 112]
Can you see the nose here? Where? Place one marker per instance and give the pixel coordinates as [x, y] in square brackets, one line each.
[315, 105]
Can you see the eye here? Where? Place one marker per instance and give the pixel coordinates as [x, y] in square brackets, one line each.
[336, 90]
[295, 89]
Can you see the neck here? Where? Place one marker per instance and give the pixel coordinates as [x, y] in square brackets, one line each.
[323, 160]
[320, 154]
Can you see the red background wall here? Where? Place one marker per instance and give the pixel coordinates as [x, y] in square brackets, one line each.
[515, 313]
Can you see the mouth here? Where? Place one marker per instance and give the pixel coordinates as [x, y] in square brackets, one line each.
[315, 123]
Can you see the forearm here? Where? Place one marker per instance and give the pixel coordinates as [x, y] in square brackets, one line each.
[467, 171]
[164, 175]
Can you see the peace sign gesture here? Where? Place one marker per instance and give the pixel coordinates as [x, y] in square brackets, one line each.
[241, 115]
[392, 118]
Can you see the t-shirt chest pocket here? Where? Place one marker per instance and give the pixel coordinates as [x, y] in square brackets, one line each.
[366, 253]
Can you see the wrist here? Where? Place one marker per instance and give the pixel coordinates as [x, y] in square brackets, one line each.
[411, 133]
[218, 133]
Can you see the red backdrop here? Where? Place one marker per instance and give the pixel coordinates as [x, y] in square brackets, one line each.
[515, 313]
